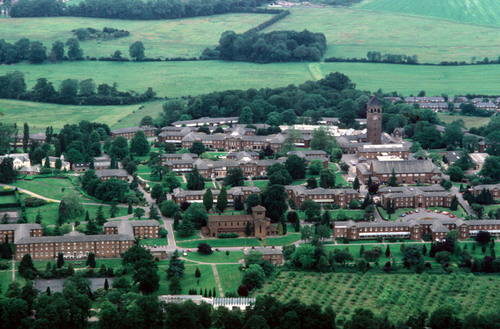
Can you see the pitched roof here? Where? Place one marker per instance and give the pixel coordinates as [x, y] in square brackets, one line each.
[373, 101]
[403, 167]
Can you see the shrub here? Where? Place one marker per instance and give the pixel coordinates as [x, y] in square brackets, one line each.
[163, 233]
[228, 235]
[4, 265]
[34, 202]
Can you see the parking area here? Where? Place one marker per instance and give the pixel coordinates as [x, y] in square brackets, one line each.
[56, 285]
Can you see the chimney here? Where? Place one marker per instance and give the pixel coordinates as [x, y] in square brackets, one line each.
[272, 247]
[253, 248]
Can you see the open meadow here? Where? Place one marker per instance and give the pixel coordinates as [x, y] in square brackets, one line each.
[163, 38]
[484, 12]
[175, 79]
[352, 32]
[398, 296]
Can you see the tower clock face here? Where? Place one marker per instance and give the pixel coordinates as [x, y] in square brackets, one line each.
[375, 118]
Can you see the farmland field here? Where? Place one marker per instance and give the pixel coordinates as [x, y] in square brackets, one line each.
[485, 12]
[398, 295]
[161, 38]
[352, 32]
[469, 121]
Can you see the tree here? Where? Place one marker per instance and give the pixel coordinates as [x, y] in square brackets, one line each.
[139, 212]
[323, 232]
[456, 174]
[251, 201]
[176, 266]
[465, 162]
[139, 144]
[204, 248]
[135, 254]
[185, 229]
[491, 168]
[169, 208]
[108, 316]
[38, 53]
[208, 199]
[7, 171]
[197, 273]
[92, 228]
[393, 181]
[146, 274]
[274, 200]
[388, 251]
[60, 260]
[74, 50]
[248, 229]
[196, 214]
[175, 287]
[292, 136]
[197, 148]
[306, 233]
[448, 184]
[153, 213]
[119, 148]
[234, 177]
[99, 217]
[254, 276]
[323, 140]
[26, 137]
[130, 210]
[171, 182]
[91, 260]
[296, 166]
[195, 180]
[311, 209]
[131, 168]
[443, 318]
[312, 183]
[412, 253]
[327, 179]
[222, 200]
[136, 50]
[355, 184]
[483, 237]
[157, 192]
[6, 251]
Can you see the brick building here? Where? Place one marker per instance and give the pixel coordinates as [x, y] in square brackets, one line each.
[180, 195]
[312, 155]
[118, 237]
[374, 121]
[260, 224]
[494, 189]
[340, 197]
[272, 255]
[409, 171]
[184, 163]
[129, 132]
[415, 229]
[416, 196]
[373, 151]
[111, 173]
[206, 120]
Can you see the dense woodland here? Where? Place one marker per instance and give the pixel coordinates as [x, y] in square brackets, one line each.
[71, 91]
[131, 9]
[276, 46]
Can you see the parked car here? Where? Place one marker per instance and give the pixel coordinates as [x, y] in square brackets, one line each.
[428, 210]
[452, 216]
[402, 215]
[189, 250]
[417, 211]
[217, 249]
[446, 213]
[437, 211]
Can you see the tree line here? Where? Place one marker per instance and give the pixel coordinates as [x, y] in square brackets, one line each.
[276, 46]
[36, 52]
[86, 33]
[134, 9]
[377, 57]
[70, 91]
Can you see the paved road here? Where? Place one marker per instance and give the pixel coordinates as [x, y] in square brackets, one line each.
[455, 190]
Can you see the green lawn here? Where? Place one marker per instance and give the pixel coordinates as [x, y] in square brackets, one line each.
[459, 213]
[230, 277]
[291, 237]
[5, 280]
[215, 243]
[50, 213]
[215, 257]
[260, 183]
[8, 199]
[191, 237]
[189, 281]
[207, 185]
[469, 121]
[152, 242]
[46, 187]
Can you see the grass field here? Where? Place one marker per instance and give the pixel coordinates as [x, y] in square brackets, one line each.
[189, 281]
[352, 32]
[215, 243]
[215, 257]
[7, 199]
[194, 78]
[469, 121]
[230, 277]
[161, 38]
[485, 12]
[398, 295]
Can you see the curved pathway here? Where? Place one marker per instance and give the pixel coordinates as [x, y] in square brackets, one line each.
[31, 193]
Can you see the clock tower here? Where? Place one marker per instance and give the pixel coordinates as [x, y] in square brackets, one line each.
[374, 121]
